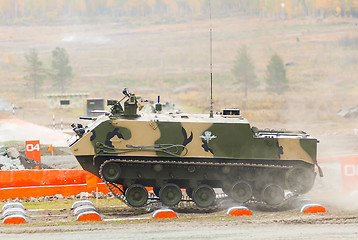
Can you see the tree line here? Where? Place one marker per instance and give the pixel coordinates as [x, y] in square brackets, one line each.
[24, 11]
[243, 71]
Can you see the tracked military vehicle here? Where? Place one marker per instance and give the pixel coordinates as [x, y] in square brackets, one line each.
[131, 149]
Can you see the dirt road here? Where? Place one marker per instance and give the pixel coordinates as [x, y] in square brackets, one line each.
[287, 225]
[173, 231]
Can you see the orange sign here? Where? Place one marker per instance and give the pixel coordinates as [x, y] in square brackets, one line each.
[92, 181]
[349, 172]
[50, 148]
[33, 150]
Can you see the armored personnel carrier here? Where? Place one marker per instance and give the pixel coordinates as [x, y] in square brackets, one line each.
[131, 149]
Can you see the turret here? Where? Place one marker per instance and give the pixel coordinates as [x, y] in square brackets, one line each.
[130, 105]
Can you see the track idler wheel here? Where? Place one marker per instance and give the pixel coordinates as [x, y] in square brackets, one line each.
[111, 171]
[241, 192]
[273, 194]
[170, 194]
[204, 196]
[136, 195]
[300, 180]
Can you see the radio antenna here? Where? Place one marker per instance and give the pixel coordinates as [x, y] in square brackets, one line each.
[211, 64]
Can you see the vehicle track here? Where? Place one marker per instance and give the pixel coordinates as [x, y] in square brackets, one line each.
[187, 204]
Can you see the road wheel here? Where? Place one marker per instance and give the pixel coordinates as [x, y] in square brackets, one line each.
[273, 195]
[111, 171]
[204, 196]
[136, 195]
[300, 180]
[241, 192]
[170, 194]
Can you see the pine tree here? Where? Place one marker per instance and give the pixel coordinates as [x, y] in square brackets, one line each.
[244, 70]
[62, 71]
[276, 75]
[35, 71]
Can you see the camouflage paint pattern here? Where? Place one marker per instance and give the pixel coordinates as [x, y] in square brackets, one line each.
[191, 137]
[164, 150]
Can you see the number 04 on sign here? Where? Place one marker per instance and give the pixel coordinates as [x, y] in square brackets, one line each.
[33, 150]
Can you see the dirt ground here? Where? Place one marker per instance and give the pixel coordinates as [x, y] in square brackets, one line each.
[173, 230]
[335, 224]
[339, 222]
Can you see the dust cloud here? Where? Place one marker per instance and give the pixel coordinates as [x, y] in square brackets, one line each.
[329, 190]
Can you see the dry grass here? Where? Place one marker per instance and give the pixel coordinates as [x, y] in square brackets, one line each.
[173, 61]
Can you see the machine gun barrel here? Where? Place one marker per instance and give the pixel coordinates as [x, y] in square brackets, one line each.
[88, 118]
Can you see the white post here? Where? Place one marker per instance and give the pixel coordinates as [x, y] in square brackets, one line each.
[53, 121]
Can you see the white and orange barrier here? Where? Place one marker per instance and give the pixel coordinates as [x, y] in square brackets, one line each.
[239, 211]
[313, 208]
[164, 213]
[14, 213]
[40, 183]
[86, 211]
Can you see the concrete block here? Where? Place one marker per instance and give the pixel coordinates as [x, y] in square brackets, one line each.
[12, 205]
[13, 211]
[81, 203]
[84, 208]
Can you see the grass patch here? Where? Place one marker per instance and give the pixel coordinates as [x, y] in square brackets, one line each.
[67, 204]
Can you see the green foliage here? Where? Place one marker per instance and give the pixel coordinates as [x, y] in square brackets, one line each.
[35, 72]
[244, 70]
[62, 71]
[276, 75]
